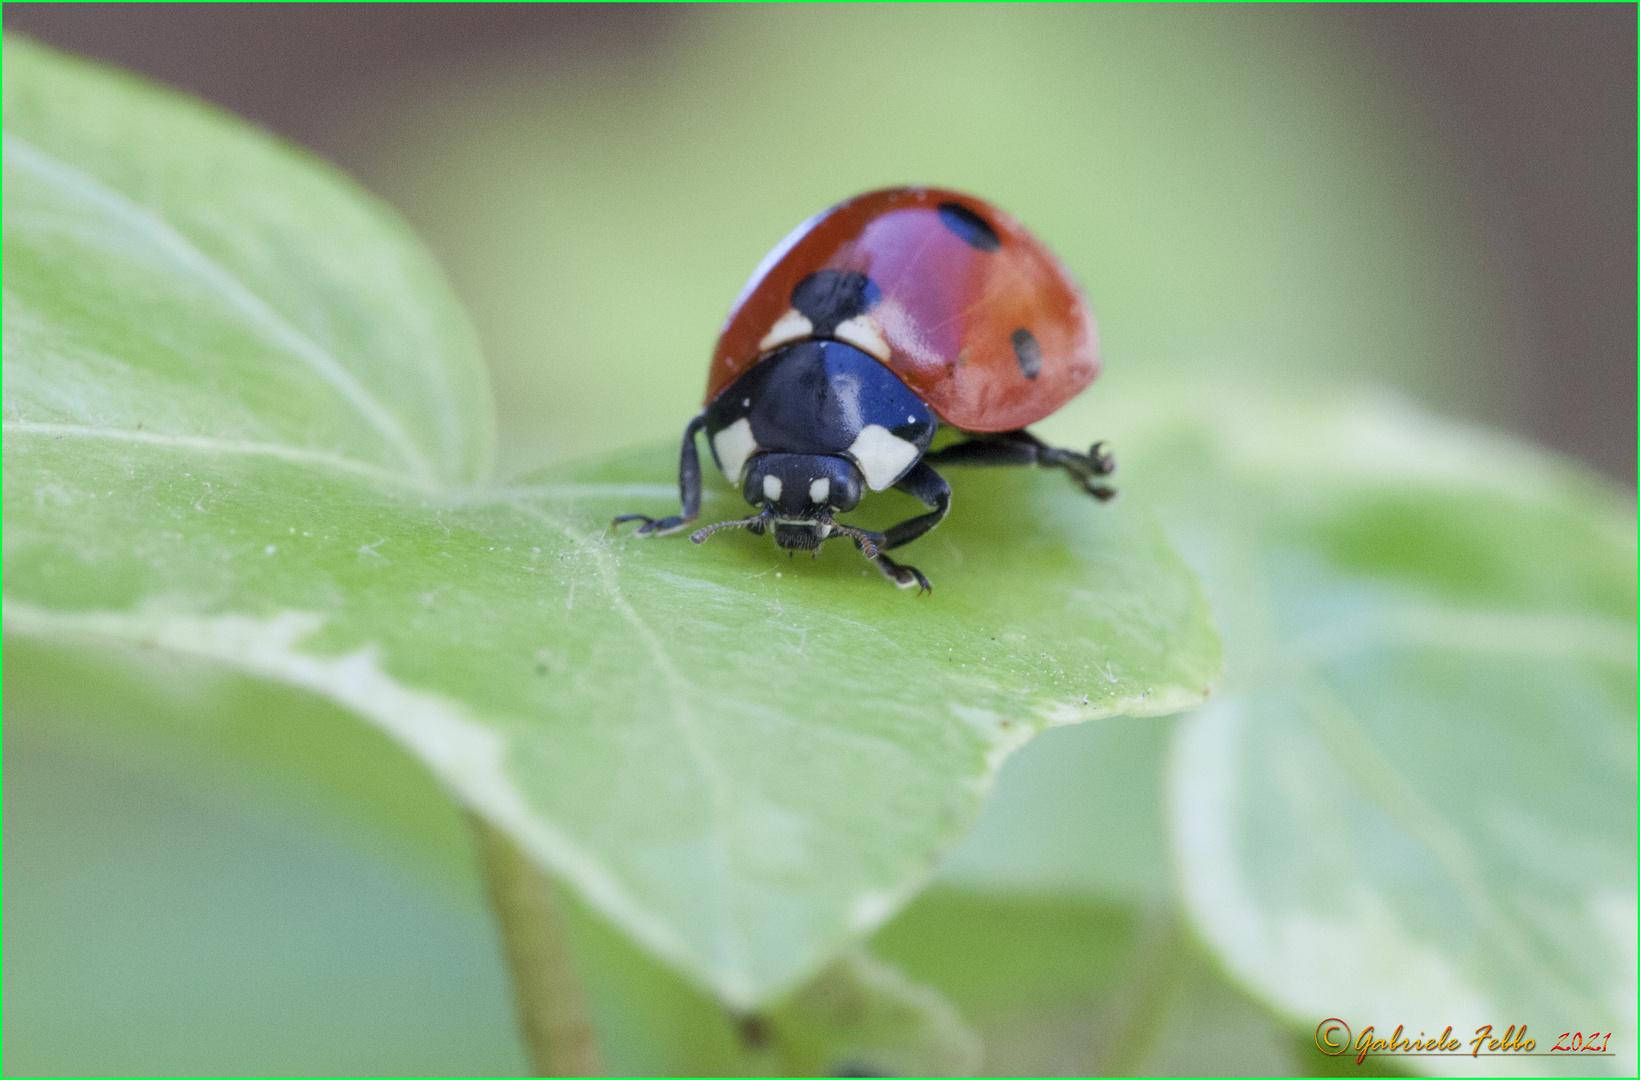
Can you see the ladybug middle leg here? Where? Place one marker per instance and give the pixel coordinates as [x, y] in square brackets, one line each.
[688, 489]
[1022, 448]
[929, 488]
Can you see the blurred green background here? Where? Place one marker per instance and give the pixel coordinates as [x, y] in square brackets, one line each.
[1438, 200]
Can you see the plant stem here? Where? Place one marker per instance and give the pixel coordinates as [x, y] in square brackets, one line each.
[1141, 1004]
[552, 1011]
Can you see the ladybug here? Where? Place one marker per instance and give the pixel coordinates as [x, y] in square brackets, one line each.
[863, 330]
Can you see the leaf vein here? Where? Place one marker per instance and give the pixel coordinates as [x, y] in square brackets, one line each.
[77, 183]
[1359, 757]
[295, 454]
[683, 717]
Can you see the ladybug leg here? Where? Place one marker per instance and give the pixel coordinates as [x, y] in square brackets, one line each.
[906, 577]
[1022, 448]
[688, 489]
[987, 450]
[930, 488]
[1085, 469]
[871, 545]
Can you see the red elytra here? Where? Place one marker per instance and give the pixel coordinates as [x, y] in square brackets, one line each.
[960, 280]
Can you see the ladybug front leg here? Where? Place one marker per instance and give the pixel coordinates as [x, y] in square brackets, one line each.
[930, 488]
[688, 489]
[1022, 448]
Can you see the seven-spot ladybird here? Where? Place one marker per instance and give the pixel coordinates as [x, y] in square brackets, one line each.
[856, 336]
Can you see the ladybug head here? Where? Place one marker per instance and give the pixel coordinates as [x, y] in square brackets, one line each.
[800, 492]
[797, 494]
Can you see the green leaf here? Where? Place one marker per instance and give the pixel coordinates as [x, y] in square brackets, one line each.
[1071, 987]
[1076, 813]
[1411, 804]
[858, 1015]
[1414, 801]
[238, 405]
[174, 273]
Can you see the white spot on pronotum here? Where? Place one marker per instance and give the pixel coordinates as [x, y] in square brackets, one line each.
[745, 403]
[789, 327]
[733, 445]
[864, 334]
[883, 457]
[771, 488]
[820, 490]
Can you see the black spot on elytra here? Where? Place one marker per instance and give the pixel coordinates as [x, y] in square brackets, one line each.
[1027, 352]
[972, 229]
[829, 297]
